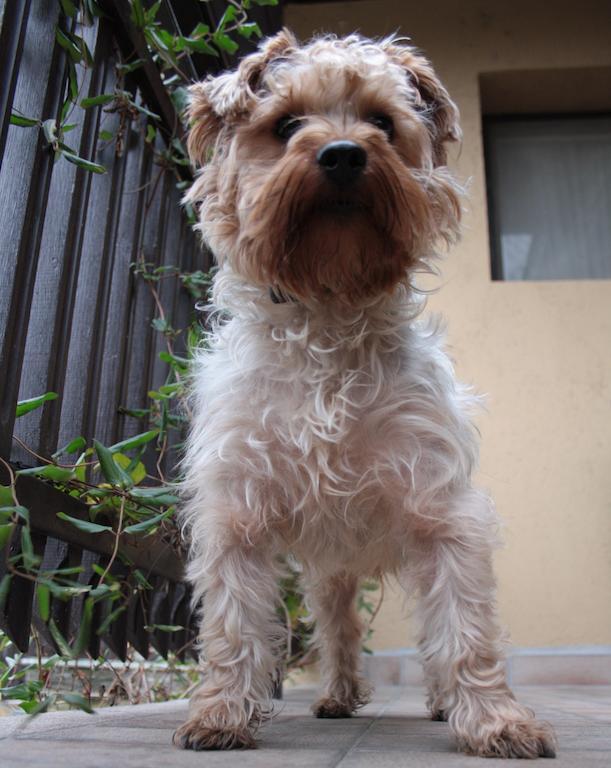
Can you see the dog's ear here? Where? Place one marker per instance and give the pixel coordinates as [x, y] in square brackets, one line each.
[220, 100]
[434, 100]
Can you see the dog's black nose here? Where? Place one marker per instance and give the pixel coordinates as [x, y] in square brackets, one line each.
[342, 161]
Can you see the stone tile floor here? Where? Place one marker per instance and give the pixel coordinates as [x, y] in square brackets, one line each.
[391, 732]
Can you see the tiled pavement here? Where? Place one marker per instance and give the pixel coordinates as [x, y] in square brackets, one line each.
[391, 732]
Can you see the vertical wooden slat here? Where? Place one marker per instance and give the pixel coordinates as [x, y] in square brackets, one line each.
[115, 340]
[81, 388]
[140, 333]
[53, 296]
[137, 620]
[22, 207]
[116, 635]
[17, 613]
[161, 604]
[12, 34]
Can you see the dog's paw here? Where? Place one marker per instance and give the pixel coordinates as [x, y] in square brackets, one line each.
[330, 707]
[197, 735]
[521, 739]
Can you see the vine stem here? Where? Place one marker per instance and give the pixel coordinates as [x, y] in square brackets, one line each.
[116, 546]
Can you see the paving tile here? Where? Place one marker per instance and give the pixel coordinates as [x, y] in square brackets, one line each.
[393, 730]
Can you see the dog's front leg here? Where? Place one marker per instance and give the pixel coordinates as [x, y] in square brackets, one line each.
[239, 635]
[461, 639]
[338, 636]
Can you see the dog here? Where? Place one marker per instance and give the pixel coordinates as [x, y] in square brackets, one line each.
[327, 419]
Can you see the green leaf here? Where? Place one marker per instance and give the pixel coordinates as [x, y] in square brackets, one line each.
[9, 512]
[103, 590]
[43, 596]
[6, 496]
[141, 579]
[125, 69]
[50, 472]
[224, 42]
[195, 45]
[169, 390]
[25, 406]
[5, 584]
[161, 324]
[30, 560]
[82, 163]
[84, 525]
[112, 472]
[134, 442]
[144, 110]
[151, 134]
[95, 101]
[22, 691]
[156, 497]
[69, 8]
[76, 700]
[85, 52]
[250, 29]
[110, 619]
[74, 446]
[180, 97]
[164, 627]
[33, 708]
[60, 640]
[5, 534]
[63, 592]
[229, 15]
[70, 45]
[72, 81]
[151, 13]
[147, 525]
[175, 361]
[265, 2]
[22, 120]
[84, 632]
[136, 413]
[137, 14]
[200, 30]
[106, 135]
[135, 469]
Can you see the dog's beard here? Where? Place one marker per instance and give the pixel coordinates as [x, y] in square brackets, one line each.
[311, 239]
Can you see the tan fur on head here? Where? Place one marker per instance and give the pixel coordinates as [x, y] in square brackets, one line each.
[268, 211]
[227, 97]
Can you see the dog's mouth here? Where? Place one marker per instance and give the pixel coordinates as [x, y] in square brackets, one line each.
[340, 207]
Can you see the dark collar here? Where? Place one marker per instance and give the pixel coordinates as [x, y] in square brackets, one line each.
[278, 297]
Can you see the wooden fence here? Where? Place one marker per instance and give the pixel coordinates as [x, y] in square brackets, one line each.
[74, 319]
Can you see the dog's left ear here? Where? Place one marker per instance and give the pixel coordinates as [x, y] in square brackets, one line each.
[220, 101]
[435, 100]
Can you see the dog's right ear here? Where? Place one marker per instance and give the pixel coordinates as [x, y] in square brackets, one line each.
[221, 101]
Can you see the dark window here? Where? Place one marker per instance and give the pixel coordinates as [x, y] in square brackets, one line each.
[549, 196]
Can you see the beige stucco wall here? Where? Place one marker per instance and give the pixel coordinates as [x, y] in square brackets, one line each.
[542, 351]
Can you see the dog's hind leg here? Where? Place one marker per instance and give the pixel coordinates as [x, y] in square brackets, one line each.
[239, 635]
[338, 636]
[461, 641]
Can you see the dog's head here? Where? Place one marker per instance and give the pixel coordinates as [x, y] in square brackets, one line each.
[323, 165]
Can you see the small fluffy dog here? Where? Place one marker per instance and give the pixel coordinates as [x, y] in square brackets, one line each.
[328, 422]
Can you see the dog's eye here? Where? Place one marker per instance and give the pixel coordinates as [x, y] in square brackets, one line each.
[287, 126]
[384, 123]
